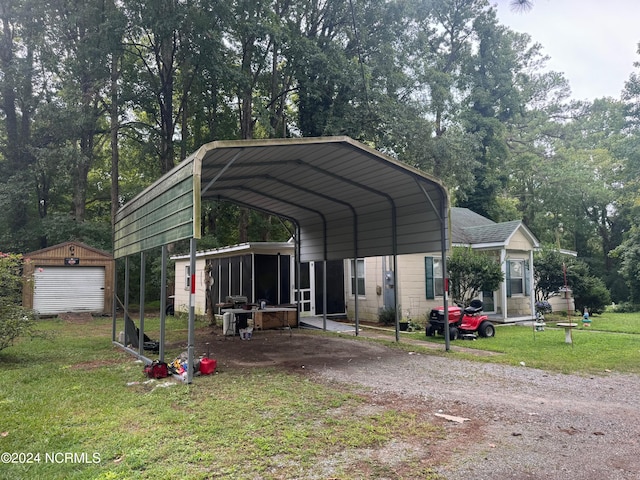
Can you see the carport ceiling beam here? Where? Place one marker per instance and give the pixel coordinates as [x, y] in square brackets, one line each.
[287, 202]
[221, 172]
[375, 191]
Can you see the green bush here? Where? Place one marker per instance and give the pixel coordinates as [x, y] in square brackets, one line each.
[387, 316]
[591, 293]
[15, 321]
[626, 307]
[472, 272]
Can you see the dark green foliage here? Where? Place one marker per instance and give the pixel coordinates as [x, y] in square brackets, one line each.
[629, 255]
[470, 273]
[15, 321]
[554, 270]
[387, 316]
[591, 293]
[548, 272]
[86, 87]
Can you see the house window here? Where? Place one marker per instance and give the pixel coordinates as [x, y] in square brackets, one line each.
[433, 277]
[516, 277]
[187, 277]
[438, 282]
[357, 266]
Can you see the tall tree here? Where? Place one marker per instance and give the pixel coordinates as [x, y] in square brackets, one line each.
[83, 34]
[21, 26]
[158, 42]
[492, 103]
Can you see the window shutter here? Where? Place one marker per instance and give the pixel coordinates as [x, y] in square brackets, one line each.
[428, 270]
[508, 278]
[527, 284]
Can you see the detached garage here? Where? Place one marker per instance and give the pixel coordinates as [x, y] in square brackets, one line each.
[69, 277]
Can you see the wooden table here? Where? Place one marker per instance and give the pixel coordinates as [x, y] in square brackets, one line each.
[264, 318]
[275, 317]
[567, 330]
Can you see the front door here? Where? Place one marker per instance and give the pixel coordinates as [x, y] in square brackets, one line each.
[306, 297]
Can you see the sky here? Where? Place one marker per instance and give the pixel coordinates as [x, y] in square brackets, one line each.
[593, 42]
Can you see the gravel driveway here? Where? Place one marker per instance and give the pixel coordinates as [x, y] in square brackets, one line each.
[522, 423]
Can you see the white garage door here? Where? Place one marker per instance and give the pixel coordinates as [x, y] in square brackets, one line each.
[68, 289]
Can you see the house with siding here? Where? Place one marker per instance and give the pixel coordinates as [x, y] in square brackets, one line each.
[418, 278]
[267, 271]
[259, 271]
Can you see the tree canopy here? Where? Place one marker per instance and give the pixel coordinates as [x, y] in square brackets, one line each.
[99, 98]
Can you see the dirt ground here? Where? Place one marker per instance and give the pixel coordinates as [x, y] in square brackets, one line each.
[521, 423]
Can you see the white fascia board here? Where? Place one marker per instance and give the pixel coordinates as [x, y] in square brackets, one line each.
[239, 248]
[488, 246]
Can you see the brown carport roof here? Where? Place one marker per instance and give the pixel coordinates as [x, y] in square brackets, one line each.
[348, 200]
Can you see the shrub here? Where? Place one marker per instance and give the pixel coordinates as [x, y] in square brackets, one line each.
[387, 316]
[470, 273]
[592, 293]
[15, 321]
[626, 307]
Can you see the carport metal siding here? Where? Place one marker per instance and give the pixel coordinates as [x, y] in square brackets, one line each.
[161, 214]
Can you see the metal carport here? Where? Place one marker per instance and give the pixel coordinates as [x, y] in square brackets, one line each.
[346, 200]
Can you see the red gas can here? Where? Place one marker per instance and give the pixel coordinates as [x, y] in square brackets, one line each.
[208, 366]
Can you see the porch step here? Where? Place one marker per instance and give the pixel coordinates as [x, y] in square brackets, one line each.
[332, 326]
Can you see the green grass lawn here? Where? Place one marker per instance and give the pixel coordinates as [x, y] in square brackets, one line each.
[610, 343]
[66, 401]
[68, 409]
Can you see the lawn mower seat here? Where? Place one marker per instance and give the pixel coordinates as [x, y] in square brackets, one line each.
[132, 334]
[474, 307]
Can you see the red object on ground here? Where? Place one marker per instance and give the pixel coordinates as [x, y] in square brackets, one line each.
[208, 366]
[156, 369]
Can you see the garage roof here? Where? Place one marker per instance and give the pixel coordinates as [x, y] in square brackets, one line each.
[347, 199]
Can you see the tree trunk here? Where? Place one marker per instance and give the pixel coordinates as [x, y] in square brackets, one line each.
[165, 57]
[115, 152]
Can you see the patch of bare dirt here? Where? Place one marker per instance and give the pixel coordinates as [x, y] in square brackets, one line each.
[94, 364]
[76, 317]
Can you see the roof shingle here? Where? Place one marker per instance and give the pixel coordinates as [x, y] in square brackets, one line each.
[470, 228]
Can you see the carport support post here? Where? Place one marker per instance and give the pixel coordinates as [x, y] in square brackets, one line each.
[192, 309]
[395, 295]
[297, 259]
[163, 300]
[142, 282]
[114, 301]
[324, 295]
[445, 275]
[126, 295]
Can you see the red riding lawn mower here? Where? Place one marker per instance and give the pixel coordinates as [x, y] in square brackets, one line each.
[467, 323]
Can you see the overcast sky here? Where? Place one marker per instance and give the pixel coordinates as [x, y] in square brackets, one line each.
[593, 42]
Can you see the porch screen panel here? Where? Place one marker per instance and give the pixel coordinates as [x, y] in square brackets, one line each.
[235, 276]
[224, 278]
[215, 275]
[247, 276]
[285, 279]
[335, 287]
[266, 278]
